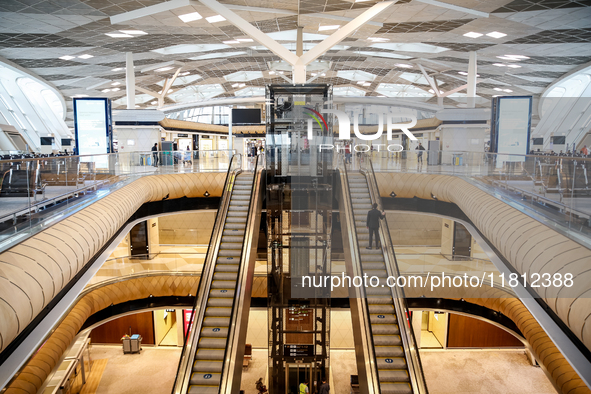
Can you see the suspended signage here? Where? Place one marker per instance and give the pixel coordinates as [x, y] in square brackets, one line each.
[93, 128]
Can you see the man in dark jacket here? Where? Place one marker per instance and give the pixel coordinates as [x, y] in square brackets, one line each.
[373, 224]
[155, 155]
[324, 388]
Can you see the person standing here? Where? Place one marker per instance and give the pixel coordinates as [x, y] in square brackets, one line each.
[585, 151]
[373, 224]
[304, 388]
[155, 154]
[420, 148]
[324, 388]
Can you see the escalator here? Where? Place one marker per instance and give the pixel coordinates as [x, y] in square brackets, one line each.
[379, 313]
[223, 300]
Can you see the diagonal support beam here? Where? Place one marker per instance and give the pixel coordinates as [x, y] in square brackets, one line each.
[150, 10]
[455, 7]
[252, 31]
[147, 91]
[454, 90]
[345, 31]
[430, 80]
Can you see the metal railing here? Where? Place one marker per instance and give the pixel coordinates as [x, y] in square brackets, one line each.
[61, 181]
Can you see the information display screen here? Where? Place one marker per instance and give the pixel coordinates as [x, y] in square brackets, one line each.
[92, 122]
[513, 126]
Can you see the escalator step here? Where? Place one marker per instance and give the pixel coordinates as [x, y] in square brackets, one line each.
[231, 246]
[220, 302]
[222, 293]
[206, 378]
[227, 268]
[385, 329]
[208, 366]
[229, 253]
[383, 319]
[223, 284]
[228, 260]
[218, 312]
[381, 309]
[210, 354]
[212, 343]
[225, 276]
[379, 300]
[203, 389]
[216, 322]
[233, 232]
[235, 226]
[394, 388]
[233, 238]
[391, 363]
[389, 351]
[393, 375]
[387, 340]
[214, 332]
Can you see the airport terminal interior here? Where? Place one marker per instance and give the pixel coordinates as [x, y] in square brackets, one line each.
[295, 197]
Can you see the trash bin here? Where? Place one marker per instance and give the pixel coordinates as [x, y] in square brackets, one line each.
[458, 159]
[132, 344]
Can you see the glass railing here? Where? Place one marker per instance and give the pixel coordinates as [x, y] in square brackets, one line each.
[36, 192]
[555, 190]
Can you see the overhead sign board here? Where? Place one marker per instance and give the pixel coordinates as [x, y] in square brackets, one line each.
[93, 128]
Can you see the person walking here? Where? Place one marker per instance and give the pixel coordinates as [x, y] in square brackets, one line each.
[373, 224]
[324, 388]
[420, 148]
[347, 154]
[155, 154]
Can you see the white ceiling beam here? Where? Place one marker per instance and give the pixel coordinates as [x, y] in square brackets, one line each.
[430, 80]
[251, 31]
[455, 8]
[345, 31]
[147, 91]
[260, 9]
[169, 82]
[454, 90]
[150, 10]
[339, 18]
[97, 85]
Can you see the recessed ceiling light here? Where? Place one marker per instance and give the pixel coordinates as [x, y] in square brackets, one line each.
[67, 57]
[507, 58]
[280, 72]
[520, 57]
[495, 34]
[118, 35]
[86, 56]
[473, 34]
[401, 65]
[106, 90]
[465, 73]
[154, 102]
[507, 90]
[116, 83]
[328, 27]
[499, 64]
[231, 42]
[235, 85]
[378, 39]
[115, 89]
[185, 73]
[271, 72]
[163, 69]
[134, 32]
[193, 16]
[323, 74]
[79, 95]
[498, 89]
[242, 85]
[215, 18]
[314, 74]
[170, 90]
[117, 69]
[244, 39]
[360, 82]
[366, 84]
[514, 66]
[137, 105]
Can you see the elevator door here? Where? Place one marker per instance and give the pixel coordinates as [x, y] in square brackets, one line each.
[297, 374]
[462, 241]
[138, 237]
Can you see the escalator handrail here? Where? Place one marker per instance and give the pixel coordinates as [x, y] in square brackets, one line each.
[232, 345]
[373, 384]
[184, 370]
[415, 368]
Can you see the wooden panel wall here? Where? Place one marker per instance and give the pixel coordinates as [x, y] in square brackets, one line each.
[469, 332]
[111, 332]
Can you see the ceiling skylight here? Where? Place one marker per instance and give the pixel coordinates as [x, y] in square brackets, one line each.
[193, 16]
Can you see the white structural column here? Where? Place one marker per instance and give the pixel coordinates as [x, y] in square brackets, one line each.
[230, 145]
[130, 80]
[472, 80]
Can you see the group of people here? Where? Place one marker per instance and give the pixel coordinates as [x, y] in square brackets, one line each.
[324, 387]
